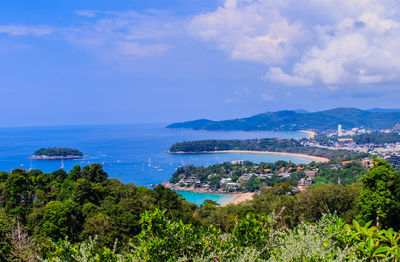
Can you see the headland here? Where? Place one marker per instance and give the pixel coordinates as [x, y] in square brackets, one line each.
[304, 156]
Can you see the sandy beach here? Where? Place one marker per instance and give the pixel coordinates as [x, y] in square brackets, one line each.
[240, 197]
[311, 134]
[311, 158]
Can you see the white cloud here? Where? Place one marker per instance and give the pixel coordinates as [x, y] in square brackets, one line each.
[230, 100]
[267, 97]
[24, 30]
[249, 30]
[112, 35]
[276, 75]
[315, 41]
[125, 35]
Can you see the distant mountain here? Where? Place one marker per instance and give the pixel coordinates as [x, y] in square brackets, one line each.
[301, 111]
[287, 120]
[383, 110]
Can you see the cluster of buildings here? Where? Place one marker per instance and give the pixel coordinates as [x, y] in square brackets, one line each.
[348, 132]
[228, 184]
[305, 182]
[344, 141]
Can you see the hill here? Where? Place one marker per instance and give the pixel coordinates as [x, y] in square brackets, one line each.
[287, 120]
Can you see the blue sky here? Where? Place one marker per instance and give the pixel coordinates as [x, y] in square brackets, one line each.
[94, 61]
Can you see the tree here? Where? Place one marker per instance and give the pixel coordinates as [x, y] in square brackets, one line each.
[18, 193]
[55, 220]
[94, 173]
[380, 198]
[5, 242]
[75, 173]
[3, 176]
[103, 227]
[60, 175]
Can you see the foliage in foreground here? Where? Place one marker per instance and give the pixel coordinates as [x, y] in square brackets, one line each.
[84, 216]
[255, 238]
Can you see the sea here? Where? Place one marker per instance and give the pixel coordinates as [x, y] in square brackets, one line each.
[133, 153]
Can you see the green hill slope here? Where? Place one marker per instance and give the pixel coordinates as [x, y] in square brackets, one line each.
[290, 120]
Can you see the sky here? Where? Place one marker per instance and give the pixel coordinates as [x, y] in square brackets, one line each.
[70, 62]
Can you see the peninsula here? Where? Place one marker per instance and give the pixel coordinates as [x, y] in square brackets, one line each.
[57, 153]
[294, 147]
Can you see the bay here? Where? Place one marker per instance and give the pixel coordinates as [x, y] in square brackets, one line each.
[133, 153]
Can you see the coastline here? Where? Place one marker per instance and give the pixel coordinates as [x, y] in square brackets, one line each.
[234, 197]
[312, 158]
[223, 198]
[44, 157]
[311, 134]
[240, 198]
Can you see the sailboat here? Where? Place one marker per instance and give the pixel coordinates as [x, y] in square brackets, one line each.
[62, 163]
[149, 162]
[30, 166]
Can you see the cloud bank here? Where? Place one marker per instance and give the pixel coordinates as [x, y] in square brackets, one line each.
[311, 42]
[300, 42]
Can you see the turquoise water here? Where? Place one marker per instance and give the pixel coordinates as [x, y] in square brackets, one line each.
[132, 153]
[199, 198]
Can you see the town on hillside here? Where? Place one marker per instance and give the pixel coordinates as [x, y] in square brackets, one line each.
[244, 176]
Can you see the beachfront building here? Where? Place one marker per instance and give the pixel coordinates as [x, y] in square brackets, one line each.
[246, 177]
[265, 176]
[226, 180]
[311, 173]
[339, 131]
[232, 185]
[238, 162]
[284, 175]
[304, 183]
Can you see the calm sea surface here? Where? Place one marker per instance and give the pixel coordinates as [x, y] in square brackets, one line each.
[132, 153]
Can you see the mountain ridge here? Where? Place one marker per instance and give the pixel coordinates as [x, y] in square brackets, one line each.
[289, 120]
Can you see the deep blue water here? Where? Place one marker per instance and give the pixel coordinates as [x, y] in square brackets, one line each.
[132, 153]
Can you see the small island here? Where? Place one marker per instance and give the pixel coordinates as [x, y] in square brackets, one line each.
[57, 153]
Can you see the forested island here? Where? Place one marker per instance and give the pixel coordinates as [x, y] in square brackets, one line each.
[85, 216]
[57, 153]
[287, 120]
[265, 144]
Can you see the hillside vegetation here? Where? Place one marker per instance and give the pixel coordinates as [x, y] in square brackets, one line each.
[292, 120]
[85, 216]
[264, 144]
[58, 151]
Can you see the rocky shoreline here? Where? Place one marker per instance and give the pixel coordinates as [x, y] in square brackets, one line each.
[44, 157]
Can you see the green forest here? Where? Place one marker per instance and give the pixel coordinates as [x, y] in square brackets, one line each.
[58, 151]
[264, 144]
[85, 216]
[377, 138]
